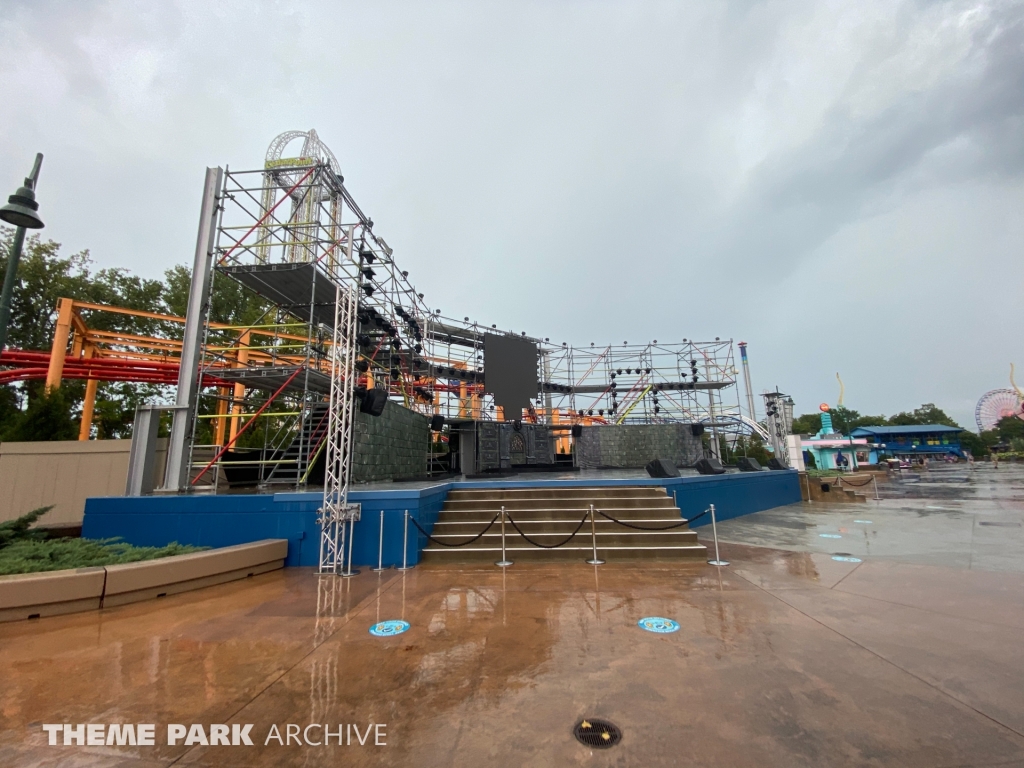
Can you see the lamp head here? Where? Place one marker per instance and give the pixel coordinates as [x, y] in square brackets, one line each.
[21, 209]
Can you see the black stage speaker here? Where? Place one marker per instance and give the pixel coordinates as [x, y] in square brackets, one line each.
[710, 467]
[577, 430]
[661, 468]
[374, 401]
[747, 464]
[436, 422]
[696, 430]
[774, 463]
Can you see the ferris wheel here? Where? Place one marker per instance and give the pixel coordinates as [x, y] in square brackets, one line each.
[995, 405]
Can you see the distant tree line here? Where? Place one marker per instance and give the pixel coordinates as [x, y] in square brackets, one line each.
[845, 420]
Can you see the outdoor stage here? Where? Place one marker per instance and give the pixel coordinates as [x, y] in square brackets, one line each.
[224, 520]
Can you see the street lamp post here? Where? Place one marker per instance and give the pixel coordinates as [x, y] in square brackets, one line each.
[21, 212]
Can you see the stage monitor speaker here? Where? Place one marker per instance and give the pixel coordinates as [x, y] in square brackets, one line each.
[374, 401]
[661, 468]
[747, 464]
[436, 422]
[774, 463]
[710, 467]
[577, 430]
[697, 430]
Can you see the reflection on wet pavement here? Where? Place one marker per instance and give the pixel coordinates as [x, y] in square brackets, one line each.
[788, 657]
[978, 527]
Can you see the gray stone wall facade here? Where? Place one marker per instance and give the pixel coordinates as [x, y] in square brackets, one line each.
[631, 446]
[392, 446]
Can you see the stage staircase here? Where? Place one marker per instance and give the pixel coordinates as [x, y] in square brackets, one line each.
[549, 515]
[295, 458]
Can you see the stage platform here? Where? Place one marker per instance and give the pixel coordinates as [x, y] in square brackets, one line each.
[226, 519]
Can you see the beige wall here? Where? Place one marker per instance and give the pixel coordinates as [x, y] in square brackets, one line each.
[62, 473]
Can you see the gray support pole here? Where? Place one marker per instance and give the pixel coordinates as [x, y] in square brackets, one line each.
[142, 454]
[380, 545]
[714, 529]
[504, 562]
[405, 544]
[351, 537]
[595, 560]
[176, 476]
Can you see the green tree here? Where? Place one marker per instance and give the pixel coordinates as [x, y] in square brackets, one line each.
[1009, 428]
[807, 424]
[928, 413]
[48, 417]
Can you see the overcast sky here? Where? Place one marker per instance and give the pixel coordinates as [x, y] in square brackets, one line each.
[841, 185]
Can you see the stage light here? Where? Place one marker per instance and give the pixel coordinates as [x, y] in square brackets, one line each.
[629, 371]
[405, 273]
[368, 289]
[618, 371]
[600, 411]
[648, 371]
[613, 374]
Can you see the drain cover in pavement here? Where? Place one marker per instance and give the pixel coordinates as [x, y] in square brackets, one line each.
[599, 734]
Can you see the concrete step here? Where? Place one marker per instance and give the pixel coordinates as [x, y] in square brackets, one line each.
[609, 492]
[549, 515]
[559, 502]
[572, 552]
[631, 513]
[611, 538]
[554, 525]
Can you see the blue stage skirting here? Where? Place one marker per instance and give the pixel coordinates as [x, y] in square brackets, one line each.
[221, 521]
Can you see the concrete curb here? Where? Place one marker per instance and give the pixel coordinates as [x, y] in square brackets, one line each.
[52, 593]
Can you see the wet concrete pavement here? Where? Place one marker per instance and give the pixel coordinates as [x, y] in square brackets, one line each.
[787, 657]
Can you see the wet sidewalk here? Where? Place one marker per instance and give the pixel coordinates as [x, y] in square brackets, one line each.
[787, 657]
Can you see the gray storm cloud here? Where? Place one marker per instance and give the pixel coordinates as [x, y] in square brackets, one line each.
[837, 184]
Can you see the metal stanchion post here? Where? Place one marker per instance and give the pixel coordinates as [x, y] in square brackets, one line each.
[874, 484]
[380, 545]
[595, 560]
[504, 562]
[405, 544]
[351, 535]
[714, 529]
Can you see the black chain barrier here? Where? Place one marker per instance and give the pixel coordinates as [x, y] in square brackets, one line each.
[855, 485]
[462, 544]
[549, 546]
[641, 528]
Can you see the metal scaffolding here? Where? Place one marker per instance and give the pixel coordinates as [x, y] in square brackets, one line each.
[340, 318]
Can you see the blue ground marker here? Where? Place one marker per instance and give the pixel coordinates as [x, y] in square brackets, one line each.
[658, 624]
[846, 559]
[863, 522]
[389, 628]
[830, 535]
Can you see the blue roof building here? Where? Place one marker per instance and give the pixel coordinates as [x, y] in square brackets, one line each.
[911, 440]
